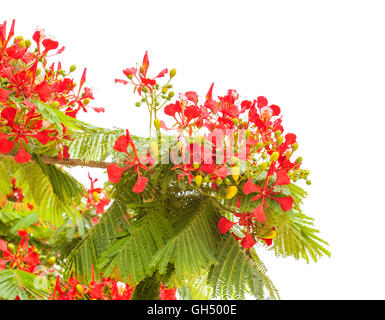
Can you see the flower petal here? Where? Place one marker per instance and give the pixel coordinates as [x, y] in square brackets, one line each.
[114, 173]
[286, 203]
[225, 225]
[259, 214]
[140, 184]
[248, 241]
[6, 145]
[250, 187]
[22, 156]
[282, 179]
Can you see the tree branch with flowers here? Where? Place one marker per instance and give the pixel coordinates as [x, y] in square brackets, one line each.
[184, 212]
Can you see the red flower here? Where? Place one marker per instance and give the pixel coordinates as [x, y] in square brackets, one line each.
[28, 128]
[167, 294]
[286, 203]
[115, 172]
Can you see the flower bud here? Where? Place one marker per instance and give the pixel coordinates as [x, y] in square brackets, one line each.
[263, 166]
[294, 146]
[54, 104]
[72, 68]
[259, 145]
[169, 86]
[86, 101]
[171, 94]
[11, 246]
[308, 182]
[248, 133]
[231, 192]
[198, 180]
[79, 288]
[196, 165]
[172, 73]
[157, 124]
[264, 155]
[28, 43]
[235, 172]
[144, 89]
[154, 148]
[236, 122]
[288, 154]
[95, 196]
[164, 89]
[299, 160]
[51, 261]
[219, 181]
[137, 104]
[279, 140]
[274, 156]
[277, 133]
[227, 181]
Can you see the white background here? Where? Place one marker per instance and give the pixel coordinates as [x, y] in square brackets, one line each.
[322, 62]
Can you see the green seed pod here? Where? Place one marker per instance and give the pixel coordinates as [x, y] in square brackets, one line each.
[172, 73]
[274, 156]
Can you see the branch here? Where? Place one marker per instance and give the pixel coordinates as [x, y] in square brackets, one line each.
[66, 162]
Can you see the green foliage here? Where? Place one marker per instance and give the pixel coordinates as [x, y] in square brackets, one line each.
[23, 284]
[51, 190]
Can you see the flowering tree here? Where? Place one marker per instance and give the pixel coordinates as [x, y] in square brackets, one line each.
[187, 207]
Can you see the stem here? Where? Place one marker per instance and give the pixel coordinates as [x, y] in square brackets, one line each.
[66, 162]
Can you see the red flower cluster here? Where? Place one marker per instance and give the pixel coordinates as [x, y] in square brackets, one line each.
[238, 131]
[167, 293]
[103, 289]
[27, 83]
[139, 77]
[97, 199]
[24, 257]
[115, 171]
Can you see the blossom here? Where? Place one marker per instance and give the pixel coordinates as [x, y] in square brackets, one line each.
[115, 171]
